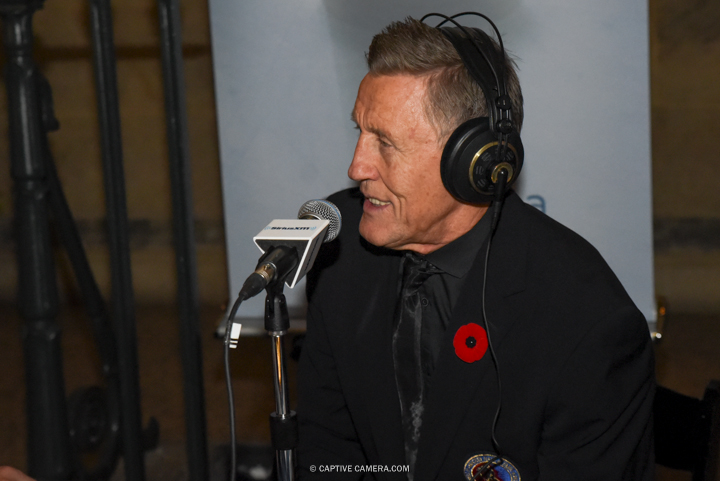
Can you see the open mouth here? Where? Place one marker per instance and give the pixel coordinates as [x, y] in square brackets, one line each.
[377, 202]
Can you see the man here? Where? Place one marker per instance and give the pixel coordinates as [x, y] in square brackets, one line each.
[545, 368]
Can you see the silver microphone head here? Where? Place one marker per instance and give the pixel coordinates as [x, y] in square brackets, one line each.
[323, 210]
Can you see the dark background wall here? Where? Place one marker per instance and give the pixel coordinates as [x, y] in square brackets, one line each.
[63, 52]
[685, 70]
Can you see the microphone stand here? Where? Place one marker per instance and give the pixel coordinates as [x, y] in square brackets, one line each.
[283, 422]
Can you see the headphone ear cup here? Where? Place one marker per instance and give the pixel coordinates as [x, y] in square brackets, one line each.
[469, 162]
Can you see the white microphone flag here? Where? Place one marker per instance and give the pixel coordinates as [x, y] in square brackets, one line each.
[306, 235]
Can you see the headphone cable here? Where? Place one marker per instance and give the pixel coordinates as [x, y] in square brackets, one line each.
[496, 209]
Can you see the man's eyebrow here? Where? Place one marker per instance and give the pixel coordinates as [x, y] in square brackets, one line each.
[372, 130]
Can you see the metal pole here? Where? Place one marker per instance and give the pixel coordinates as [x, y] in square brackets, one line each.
[49, 454]
[284, 455]
[283, 422]
[184, 235]
[123, 300]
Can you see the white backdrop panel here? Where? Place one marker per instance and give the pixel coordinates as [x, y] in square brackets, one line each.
[287, 73]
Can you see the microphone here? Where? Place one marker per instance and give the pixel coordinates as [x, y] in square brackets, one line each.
[290, 246]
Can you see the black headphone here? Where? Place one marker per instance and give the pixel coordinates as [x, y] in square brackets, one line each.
[479, 149]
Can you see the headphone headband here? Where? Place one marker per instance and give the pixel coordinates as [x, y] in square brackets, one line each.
[479, 147]
[490, 79]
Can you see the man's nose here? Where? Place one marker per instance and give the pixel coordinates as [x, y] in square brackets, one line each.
[362, 166]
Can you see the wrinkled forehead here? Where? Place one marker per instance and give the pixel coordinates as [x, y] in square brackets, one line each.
[399, 97]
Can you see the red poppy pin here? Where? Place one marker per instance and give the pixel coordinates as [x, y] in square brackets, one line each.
[470, 342]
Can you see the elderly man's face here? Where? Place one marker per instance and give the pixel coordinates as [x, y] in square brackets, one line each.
[397, 162]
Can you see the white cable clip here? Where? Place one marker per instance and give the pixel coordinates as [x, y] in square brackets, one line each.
[235, 334]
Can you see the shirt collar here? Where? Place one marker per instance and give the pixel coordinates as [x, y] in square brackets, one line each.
[457, 257]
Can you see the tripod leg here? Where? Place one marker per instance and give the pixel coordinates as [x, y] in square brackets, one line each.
[48, 446]
[65, 226]
[93, 412]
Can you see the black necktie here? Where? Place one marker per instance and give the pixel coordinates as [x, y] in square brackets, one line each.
[406, 350]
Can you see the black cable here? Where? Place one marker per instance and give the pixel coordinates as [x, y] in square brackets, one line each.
[493, 463]
[496, 445]
[228, 382]
[499, 82]
[471, 37]
[496, 209]
[497, 460]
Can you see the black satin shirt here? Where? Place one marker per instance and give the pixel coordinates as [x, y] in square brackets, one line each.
[439, 293]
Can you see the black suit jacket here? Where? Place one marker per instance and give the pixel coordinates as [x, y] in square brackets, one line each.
[574, 354]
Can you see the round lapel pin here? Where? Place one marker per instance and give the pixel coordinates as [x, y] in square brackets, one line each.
[503, 470]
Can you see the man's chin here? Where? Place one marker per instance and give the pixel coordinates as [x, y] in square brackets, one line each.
[373, 233]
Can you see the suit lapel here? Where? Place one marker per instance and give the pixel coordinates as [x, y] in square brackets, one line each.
[455, 383]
